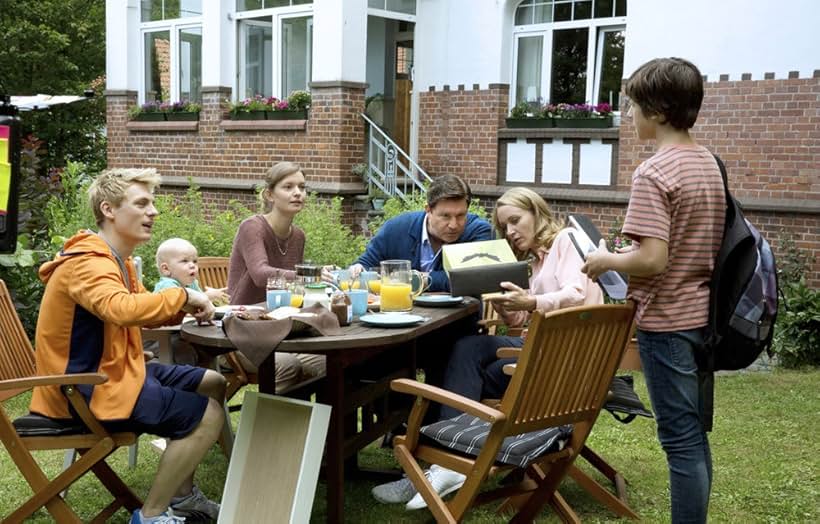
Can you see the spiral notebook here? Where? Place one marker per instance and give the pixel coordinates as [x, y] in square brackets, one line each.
[585, 239]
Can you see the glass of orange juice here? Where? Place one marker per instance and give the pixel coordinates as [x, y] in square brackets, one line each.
[372, 280]
[297, 294]
[397, 280]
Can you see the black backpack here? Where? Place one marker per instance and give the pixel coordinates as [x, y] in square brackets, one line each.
[743, 297]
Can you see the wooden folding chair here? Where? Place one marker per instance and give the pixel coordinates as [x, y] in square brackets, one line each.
[213, 271]
[629, 361]
[34, 432]
[562, 377]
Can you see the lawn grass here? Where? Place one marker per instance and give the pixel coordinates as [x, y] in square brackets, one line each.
[765, 452]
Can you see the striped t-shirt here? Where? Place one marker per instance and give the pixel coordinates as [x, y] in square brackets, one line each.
[677, 196]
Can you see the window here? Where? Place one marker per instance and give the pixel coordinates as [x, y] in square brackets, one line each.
[275, 49]
[152, 10]
[249, 5]
[407, 7]
[568, 51]
[172, 50]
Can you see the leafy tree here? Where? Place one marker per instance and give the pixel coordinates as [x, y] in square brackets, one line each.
[57, 47]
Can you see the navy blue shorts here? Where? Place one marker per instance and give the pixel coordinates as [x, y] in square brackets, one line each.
[168, 405]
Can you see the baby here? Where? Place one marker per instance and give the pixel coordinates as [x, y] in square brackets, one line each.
[177, 265]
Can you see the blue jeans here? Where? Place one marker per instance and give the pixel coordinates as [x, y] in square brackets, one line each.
[473, 370]
[668, 361]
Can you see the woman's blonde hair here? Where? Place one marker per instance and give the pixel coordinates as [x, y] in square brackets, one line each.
[110, 186]
[546, 226]
[273, 176]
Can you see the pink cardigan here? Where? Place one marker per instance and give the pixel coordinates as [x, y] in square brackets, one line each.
[557, 281]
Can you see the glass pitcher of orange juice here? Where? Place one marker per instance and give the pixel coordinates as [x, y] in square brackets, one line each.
[397, 289]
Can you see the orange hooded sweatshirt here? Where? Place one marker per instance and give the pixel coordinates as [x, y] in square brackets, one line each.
[90, 321]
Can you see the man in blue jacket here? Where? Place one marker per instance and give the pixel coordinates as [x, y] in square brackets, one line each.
[417, 236]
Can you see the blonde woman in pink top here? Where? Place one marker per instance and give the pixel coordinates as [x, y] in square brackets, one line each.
[473, 371]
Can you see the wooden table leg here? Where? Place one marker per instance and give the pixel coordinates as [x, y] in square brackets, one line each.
[334, 471]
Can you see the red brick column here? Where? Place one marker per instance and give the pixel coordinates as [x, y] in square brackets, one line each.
[458, 131]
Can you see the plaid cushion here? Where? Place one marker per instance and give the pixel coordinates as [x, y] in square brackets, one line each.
[468, 434]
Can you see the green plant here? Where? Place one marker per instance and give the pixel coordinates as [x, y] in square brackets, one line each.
[797, 332]
[299, 100]
[521, 110]
[615, 238]
[156, 106]
[327, 239]
[256, 103]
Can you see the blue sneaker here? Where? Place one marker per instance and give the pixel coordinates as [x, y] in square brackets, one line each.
[167, 517]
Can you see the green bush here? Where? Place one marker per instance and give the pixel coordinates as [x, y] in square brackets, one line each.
[210, 230]
[797, 331]
[328, 240]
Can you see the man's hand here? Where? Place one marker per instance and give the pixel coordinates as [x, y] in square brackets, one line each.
[515, 299]
[597, 262]
[355, 271]
[327, 274]
[218, 296]
[199, 305]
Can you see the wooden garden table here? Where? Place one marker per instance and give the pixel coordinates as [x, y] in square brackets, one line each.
[361, 362]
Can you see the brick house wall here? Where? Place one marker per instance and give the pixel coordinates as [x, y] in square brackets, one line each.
[227, 162]
[458, 131]
[767, 131]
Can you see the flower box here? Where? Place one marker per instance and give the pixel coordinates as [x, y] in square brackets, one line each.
[529, 123]
[584, 123]
[248, 115]
[186, 116]
[287, 115]
[149, 117]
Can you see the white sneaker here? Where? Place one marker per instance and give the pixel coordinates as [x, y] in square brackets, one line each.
[444, 482]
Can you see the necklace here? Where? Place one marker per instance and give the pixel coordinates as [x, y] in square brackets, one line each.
[283, 252]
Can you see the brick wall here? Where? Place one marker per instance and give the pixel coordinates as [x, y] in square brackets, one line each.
[332, 142]
[458, 131]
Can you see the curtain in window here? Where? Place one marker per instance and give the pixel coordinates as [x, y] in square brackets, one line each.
[528, 80]
[190, 64]
[297, 39]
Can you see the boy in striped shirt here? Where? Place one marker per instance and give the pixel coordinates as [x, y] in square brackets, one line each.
[675, 218]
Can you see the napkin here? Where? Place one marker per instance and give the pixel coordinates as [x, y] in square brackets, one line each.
[256, 335]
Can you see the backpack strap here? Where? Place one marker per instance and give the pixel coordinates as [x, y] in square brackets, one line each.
[707, 360]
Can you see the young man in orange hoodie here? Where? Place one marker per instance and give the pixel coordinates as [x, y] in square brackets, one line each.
[90, 319]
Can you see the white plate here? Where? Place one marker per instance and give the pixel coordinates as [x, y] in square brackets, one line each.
[391, 319]
[432, 300]
[222, 310]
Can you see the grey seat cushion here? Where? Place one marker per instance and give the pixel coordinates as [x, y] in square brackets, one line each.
[468, 434]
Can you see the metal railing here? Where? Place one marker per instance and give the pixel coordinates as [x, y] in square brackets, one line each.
[389, 167]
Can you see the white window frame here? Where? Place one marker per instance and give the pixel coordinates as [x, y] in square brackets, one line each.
[173, 26]
[599, 57]
[276, 15]
[594, 26]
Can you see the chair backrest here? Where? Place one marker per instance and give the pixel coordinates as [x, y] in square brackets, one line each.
[566, 366]
[213, 271]
[16, 352]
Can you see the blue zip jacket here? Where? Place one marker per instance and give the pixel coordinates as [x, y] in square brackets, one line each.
[400, 238]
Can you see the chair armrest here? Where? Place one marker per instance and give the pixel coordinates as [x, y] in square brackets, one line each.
[508, 352]
[442, 396]
[54, 380]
